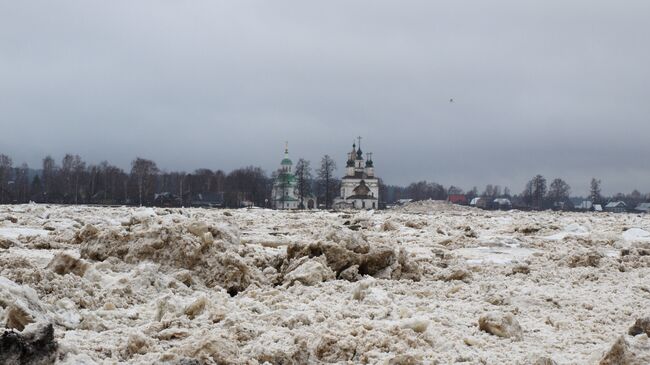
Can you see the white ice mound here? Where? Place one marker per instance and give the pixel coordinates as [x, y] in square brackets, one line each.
[343, 253]
[13, 233]
[502, 325]
[310, 272]
[570, 230]
[212, 252]
[636, 234]
[19, 305]
[142, 214]
[494, 255]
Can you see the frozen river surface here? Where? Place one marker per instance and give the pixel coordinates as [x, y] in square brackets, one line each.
[428, 283]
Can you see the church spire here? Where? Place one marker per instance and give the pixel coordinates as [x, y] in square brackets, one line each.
[350, 162]
[359, 153]
[369, 162]
[286, 161]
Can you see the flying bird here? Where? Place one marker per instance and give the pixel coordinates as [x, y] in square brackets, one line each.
[451, 100]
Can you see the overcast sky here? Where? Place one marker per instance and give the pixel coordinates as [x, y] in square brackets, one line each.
[560, 88]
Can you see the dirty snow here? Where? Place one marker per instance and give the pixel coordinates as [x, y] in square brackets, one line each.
[426, 283]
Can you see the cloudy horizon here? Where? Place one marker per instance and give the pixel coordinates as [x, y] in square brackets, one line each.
[549, 87]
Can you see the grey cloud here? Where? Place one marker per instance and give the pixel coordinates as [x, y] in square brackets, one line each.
[554, 87]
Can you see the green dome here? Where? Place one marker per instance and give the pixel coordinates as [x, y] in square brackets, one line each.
[286, 161]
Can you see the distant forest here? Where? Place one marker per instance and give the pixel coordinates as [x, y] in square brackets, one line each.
[73, 181]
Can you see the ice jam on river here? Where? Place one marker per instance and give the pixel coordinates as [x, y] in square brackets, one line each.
[428, 283]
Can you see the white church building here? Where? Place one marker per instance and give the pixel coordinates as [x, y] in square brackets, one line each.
[359, 186]
[285, 188]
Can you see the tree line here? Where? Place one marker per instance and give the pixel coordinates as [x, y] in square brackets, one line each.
[74, 181]
[537, 194]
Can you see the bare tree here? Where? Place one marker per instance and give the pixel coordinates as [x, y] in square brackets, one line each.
[423, 190]
[454, 190]
[219, 181]
[5, 174]
[535, 192]
[473, 193]
[559, 190]
[303, 180]
[491, 191]
[112, 179]
[103, 170]
[326, 181]
[65, 175]
[527, 194]
[594, 191]
[78, 170]
[49, 178]
[36, 189]
[22, 183]
[506, 192]
[144, 172]
[92, 181]
[250, 184]
[539, 191]
[204, 181]
[634, 198]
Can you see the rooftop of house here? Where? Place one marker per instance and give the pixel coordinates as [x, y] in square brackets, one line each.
[643, 206]
[616, 204]
[216, 197]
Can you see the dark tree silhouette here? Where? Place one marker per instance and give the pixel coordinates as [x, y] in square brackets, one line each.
[326, 181]
[559, 190]
[5, 173]
[143, 173]
[303, 180]
[594, 191]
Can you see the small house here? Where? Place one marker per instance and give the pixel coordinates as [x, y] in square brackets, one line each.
[208, 200]
[565, 204]
[403, 201]
[502, 204]
[584, 205]
[166, 199]
[643, 207]
[616, 207]
[457, 199]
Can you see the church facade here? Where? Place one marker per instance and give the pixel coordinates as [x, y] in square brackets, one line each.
[285, 188]
[359, 186]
